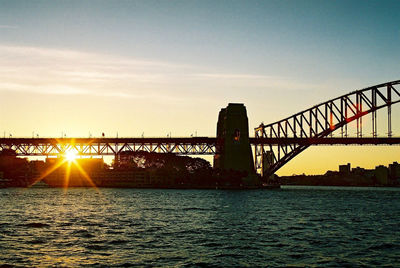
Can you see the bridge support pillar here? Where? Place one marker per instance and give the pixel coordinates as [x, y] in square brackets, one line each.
[233, 150]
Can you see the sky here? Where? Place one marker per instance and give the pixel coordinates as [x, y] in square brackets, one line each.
[160, 67]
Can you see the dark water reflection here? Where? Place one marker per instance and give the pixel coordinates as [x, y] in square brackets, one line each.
[128, 227]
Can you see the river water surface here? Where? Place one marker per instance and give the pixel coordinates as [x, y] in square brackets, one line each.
[301, 226]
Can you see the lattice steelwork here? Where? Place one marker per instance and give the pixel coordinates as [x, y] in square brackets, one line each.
[108, 146]
[321, 121]
[181, 146]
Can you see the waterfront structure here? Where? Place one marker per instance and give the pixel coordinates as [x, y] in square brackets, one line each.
[233, 150]
[382, 174]
[379, 176]
[345, 169]
[92, 172]
[274, 144]
[394, 172]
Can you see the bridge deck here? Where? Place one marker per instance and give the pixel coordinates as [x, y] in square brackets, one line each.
[199, 140]
[186, 146]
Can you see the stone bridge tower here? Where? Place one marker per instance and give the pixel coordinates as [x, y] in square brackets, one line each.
[233, 144]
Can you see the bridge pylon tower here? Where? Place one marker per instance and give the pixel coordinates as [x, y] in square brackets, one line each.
[233, 150]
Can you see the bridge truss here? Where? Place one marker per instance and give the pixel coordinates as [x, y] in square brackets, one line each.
[108, 146]
[317, 124]
[181, 146]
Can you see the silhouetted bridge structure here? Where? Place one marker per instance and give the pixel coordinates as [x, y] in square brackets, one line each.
[274, 144]
[182, 146]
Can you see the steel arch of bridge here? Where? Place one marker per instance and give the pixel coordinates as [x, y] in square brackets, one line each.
[320, 121]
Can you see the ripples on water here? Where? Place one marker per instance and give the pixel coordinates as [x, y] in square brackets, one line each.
[128, 227]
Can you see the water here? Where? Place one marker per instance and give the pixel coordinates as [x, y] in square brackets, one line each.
[301, 226]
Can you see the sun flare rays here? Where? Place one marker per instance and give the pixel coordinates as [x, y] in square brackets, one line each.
[70, 161]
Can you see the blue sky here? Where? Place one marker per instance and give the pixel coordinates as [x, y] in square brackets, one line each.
[255, 36]
[169, 66]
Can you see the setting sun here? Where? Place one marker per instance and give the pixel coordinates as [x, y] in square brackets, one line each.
[71, 156]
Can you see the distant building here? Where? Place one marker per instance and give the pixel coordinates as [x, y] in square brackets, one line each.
[382, 175]
[73, 174]
[394, 173]
[345, 169]
[358, 171]
[36, 167]
[125, 158]
[122, 178]
[14, 169]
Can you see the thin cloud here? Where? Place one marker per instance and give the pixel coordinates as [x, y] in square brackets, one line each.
[69, 72]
